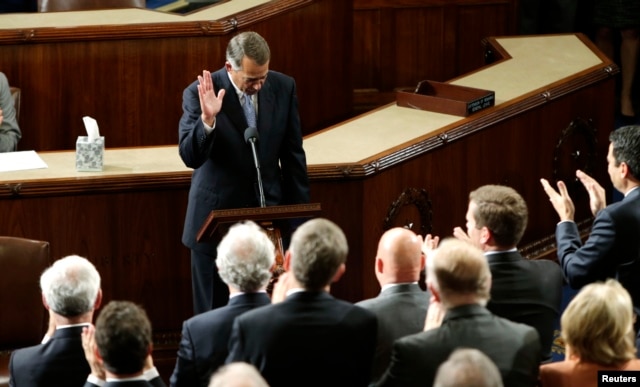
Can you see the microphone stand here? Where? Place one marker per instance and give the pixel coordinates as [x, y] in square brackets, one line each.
[251, 136]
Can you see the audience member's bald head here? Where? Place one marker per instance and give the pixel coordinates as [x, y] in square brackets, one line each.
[459, 273]
[399, 258]
[237, 375]
[469, 368]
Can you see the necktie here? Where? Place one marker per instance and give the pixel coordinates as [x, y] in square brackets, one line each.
[249, 111]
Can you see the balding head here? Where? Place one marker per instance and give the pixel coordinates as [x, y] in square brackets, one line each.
[399, 258]
[458, 274]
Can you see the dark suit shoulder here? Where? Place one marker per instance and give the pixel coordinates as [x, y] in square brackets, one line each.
[236, 306]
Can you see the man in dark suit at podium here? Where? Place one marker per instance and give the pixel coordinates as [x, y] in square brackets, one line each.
[214, 140]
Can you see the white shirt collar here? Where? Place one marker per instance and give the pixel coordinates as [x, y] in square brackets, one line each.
[387, 286]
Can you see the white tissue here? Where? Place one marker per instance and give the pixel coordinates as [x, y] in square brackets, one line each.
[91, 125]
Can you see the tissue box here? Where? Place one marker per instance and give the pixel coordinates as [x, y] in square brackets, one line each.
[89, 155]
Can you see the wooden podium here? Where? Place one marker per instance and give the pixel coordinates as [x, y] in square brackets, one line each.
[272, 219]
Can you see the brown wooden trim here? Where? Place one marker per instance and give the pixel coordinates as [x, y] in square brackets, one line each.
[369, 4]
[152, 30]
[94, 184]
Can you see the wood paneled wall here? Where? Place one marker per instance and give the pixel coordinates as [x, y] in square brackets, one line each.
[130, 78]
[398, 43]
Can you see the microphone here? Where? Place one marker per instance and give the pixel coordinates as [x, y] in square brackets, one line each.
[251, 137]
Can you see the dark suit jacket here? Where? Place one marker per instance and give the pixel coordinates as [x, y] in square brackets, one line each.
[310, 335]
[205, 337]
[224, 173]
[528, 292]
[513, 347]
[401, 311]
[611, 251]
[58, 362]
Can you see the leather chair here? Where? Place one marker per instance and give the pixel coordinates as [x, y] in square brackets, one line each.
[81, 5]
[24, 318]
[15, 93]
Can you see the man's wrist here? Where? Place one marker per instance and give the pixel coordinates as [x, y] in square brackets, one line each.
[212, 123]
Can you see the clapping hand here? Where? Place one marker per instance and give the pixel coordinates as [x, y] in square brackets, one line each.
[90, 350]
[597, 198]
[560, 200]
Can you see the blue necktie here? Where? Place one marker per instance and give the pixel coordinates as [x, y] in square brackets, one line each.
[249, 111]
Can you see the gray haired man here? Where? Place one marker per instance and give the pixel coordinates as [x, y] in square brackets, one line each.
[245, 258]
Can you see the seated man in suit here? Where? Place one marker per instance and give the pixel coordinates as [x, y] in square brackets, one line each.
[522, 290]
[328, 341]
[468, 367]
[71, 292]
[9, 131]
[459, 280]
[244, 260]
[237, 375]
[401, 306]
[119, 348]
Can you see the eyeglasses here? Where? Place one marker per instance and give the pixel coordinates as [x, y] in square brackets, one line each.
[252, 80]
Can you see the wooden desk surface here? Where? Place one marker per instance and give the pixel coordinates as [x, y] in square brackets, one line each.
[536, 63]
[121, 16]
[131, 162]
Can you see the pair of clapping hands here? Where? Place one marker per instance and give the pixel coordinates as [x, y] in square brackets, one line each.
[561, 202]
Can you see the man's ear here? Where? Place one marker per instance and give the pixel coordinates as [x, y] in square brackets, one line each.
[379, 265]
[98, 302]
[286, 263]
[44, 302]
[434, 292]
[339, 273]
[228, 66]
[97, 355]
[423, 261]
[485, 235]
[624, 170]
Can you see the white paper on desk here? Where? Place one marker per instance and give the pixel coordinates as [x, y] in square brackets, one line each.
[20, 161]
[92, 128]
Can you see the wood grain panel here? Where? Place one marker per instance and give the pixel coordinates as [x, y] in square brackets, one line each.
[417, 40]
[420, 42]
[366, 47]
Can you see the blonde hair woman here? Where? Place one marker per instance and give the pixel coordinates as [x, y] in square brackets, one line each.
[597, 328]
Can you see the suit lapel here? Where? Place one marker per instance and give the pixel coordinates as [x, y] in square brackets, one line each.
[230, 104]
[266, 107]
[266, 113]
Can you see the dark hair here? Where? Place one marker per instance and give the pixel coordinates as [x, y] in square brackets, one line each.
[318, 248]
[123, 337]
[503, 211]
[626, 148]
